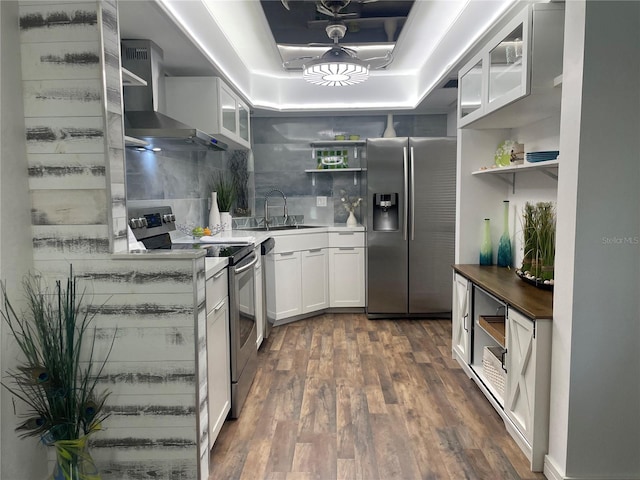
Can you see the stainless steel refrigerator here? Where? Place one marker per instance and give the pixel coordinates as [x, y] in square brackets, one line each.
[411, 205]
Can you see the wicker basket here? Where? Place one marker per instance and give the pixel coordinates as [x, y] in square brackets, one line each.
[492, 368]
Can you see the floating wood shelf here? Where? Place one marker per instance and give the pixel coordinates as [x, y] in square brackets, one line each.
[494, 326]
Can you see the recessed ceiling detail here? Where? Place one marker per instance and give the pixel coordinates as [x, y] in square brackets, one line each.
[367, 29]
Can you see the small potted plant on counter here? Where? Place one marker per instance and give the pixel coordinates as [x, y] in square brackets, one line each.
[226, 194]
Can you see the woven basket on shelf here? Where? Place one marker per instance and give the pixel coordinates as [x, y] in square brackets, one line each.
[492, 368]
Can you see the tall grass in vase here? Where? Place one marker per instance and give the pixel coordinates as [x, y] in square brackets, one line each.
[56, 378]
[539, 241]
[226, 191]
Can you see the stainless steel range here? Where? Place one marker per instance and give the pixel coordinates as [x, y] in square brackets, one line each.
[151, 226]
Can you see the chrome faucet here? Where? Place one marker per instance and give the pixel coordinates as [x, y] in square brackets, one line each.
[266, 206]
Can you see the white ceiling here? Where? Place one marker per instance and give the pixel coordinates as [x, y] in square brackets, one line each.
[232, 39]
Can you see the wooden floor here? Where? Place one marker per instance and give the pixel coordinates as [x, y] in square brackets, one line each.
[342, 397]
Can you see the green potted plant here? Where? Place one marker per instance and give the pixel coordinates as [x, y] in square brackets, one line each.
[57, 384]
[226, 194]
[539, 242]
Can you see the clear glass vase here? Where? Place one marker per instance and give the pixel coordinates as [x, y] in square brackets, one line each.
[74, 461]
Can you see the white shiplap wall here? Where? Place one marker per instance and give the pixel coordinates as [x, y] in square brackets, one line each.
[154, 307]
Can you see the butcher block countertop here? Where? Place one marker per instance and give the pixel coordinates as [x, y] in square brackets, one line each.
[503, 283]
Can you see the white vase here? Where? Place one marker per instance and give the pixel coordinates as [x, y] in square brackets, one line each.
[225, 221]
[352, 221]
[214, 213]
[389, 132]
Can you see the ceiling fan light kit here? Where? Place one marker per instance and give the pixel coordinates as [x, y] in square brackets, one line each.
[336, 68]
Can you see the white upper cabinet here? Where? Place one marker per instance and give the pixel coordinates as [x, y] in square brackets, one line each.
[521, 61]
[210, 105]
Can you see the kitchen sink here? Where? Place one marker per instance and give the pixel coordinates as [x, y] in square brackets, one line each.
[279, 228]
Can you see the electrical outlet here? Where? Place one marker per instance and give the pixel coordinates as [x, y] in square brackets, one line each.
[321, 201]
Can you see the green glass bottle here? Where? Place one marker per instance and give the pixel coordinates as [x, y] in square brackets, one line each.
[486, 251]
[504, 246]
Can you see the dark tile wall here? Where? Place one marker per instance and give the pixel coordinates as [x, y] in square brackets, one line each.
[282, 152]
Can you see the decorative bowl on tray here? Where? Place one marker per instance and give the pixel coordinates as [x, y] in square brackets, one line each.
[536, 282]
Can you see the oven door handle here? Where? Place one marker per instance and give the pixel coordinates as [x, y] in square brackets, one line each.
[247, 266]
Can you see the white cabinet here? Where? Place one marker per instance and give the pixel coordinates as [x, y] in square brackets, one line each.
[522, 60]
[346, 269]
[314, 269]
[288, 284]
[511, 320]
[301, 270]
[528, 361]
[218, 356]
[209, 104]
[461, 329]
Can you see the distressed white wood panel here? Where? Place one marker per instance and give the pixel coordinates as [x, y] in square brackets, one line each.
[118, 280]
[116, 159]
[58, 22]
[120, 244]
[148, 378]
[69, 242]
[144, 344]
[178, 469]
[58, 98]
[67, 171]
[68, 207]
[140, 411]
[65, 135]
[65, 60]
[148, 443]
[150, 311]
[115, 131]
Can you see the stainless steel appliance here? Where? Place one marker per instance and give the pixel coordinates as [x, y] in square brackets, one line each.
[151, 226]
[141, 118]
[411, 188]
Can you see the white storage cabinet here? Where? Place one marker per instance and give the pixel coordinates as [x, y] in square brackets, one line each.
[301, 273]
[218, 355]
[212, 106]
[346, 269]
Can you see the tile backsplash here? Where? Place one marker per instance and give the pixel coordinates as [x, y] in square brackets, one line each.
[281, 153]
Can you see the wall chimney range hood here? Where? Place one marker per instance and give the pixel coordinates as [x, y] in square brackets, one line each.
[141, 118]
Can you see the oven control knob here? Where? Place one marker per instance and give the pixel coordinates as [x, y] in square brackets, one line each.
[133, 223]
[143, 221]
[167, 218]
[172, 217]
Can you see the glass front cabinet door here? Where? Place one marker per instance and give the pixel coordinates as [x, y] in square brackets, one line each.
[499, 74]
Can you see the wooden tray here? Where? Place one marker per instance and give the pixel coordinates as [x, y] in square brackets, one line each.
[494, 326]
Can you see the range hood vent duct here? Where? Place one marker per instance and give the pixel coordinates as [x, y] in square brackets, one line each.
[141, 118]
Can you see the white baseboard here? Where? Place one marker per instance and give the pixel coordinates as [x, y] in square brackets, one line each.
[552, 472]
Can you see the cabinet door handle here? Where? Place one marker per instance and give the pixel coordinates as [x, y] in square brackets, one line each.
[285, 254]
[346, 248]
[219, 305]
[315, 250]
[219, 274]
[503, 358]
[346, 233]
[464, 322]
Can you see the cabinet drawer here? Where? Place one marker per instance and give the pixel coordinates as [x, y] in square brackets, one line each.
[346, 239]
[298, 243]
[216, 289]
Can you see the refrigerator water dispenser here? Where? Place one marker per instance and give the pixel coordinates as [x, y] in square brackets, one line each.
[385, 212]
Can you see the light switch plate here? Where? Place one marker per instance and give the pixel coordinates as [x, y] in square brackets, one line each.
[321, 201]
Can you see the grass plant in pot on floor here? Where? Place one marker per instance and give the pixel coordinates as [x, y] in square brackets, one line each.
[56, 374]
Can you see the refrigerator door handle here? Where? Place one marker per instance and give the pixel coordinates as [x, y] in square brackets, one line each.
[413, 197]
[406, 192]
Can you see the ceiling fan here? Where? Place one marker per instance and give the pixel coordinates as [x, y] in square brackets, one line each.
[339, 65]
